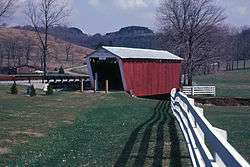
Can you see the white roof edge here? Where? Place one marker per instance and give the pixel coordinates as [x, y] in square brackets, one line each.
[137, 53]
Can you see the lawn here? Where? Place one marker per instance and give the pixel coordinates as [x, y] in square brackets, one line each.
[231, 118]
[236, 121]
[228, 84]
[72, 129]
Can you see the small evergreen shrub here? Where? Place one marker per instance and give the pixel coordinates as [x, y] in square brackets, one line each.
[61, 70]
[14, 89]
[32, 91]
[49, 90]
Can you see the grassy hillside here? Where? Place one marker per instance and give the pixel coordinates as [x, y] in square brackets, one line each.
[228, 84]
[88, 130]
[18, 43]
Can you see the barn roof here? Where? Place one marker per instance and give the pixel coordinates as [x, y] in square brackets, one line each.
[134, 53]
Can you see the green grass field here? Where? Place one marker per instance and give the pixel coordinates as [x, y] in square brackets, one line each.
[236, 121]
[233, 119]
[72, 129]
[228, 84]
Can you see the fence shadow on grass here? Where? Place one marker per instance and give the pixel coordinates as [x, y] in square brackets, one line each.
[144, 145]
[159, 147]
[160, 118]
[125, 155]
[175, 153]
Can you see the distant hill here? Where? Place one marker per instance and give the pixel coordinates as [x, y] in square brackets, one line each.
[21, 48]
[133, 36]
[69, 34]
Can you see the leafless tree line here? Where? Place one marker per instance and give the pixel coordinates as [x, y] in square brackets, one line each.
[15, 52]
[42, 15]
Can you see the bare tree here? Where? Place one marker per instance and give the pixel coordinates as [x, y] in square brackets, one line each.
[6, 7]
[11, 47]
[191, 21]
[26, 50]
[68, 49]
[43, 15]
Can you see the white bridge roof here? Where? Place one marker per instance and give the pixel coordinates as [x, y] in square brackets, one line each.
[134, 53]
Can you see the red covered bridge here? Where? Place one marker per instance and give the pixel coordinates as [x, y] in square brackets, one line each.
[143, 72]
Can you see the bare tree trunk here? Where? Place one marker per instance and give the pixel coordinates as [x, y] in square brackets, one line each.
[1, 60]
[190, 73]
[1, 56]
[45, 51]
[190, 62]
[41, 59]
[68, 48]
[184, 79]
[190, 79]
[27, 55]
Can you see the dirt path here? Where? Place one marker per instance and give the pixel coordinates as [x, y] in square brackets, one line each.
[223, 101]
[69, 71]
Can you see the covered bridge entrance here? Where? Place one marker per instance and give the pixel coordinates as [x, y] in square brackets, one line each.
[107, 69]
[143, 72]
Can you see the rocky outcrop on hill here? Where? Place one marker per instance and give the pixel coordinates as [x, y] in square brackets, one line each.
[134, 36]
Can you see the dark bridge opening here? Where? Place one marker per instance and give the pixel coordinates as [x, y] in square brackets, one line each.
[107, 69]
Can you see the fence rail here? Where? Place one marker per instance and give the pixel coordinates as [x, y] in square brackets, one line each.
[207, 145]
[199, 90]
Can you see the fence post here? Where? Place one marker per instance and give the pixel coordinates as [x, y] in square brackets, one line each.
[95, 83]
[82, 85]
[107, 86]
[218, 160]
[214, 91]
[202, 135]
[192, 102]
[192, 90]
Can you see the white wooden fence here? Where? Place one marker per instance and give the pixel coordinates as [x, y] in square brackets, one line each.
[199, 90]
[207, 145]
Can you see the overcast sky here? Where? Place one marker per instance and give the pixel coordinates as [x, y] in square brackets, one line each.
[102, 16]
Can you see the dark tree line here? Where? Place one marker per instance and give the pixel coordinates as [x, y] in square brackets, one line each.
[241, 48]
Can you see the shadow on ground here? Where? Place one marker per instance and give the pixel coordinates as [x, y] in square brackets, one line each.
[159, 143]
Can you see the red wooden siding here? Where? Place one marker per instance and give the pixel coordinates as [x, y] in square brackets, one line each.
[147, 77]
